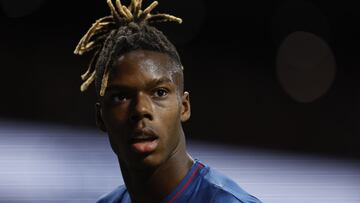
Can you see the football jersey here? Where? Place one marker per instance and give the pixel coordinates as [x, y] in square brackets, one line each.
[202, 184]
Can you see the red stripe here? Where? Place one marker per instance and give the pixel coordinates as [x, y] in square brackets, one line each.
[186, 184]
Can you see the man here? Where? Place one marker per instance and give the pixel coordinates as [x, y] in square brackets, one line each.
[141, 105]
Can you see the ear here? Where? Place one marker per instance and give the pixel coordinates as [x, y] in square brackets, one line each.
[99, 121]
[185, 107]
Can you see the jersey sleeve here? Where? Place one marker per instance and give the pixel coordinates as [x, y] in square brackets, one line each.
[113, 197]
[222, 196]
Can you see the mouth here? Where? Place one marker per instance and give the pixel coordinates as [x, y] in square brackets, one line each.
[144, 142]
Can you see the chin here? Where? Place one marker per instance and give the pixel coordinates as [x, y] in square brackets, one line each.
[152, 160]
[141, 162]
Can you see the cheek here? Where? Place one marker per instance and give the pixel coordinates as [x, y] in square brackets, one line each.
[170, 122]
[115, 121]
[115, 117]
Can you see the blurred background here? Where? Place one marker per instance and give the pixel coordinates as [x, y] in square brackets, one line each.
[273, 81]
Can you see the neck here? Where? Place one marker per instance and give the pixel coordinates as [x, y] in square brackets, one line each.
[154, 184]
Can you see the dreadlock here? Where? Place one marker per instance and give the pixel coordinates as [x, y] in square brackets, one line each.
[125, 30]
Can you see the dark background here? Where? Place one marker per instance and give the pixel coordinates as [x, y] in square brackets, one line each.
[229, 51]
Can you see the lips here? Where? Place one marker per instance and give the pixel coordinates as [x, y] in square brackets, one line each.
[144, 141]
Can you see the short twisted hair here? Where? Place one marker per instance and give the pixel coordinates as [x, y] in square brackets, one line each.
[125, 30]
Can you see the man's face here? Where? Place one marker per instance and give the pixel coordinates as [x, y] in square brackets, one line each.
[142, 109]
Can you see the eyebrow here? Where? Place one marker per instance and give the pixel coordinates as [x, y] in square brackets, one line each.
[159, 81]
[151, 84]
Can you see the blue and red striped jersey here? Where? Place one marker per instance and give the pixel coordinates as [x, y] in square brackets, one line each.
[202, 184]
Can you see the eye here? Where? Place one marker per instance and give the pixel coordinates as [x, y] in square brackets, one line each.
[161, 92]
[119, 98]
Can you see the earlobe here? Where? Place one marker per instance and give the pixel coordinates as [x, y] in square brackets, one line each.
[99, 121]
[185, 107]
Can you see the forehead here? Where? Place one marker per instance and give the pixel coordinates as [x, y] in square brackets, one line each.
[142, 65]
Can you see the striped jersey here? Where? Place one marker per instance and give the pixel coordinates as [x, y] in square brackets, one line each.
[202, 184]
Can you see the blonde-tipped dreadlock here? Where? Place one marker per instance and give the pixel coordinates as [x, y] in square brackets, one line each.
[115, 30]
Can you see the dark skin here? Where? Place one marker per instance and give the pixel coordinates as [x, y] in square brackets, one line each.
[144, 100]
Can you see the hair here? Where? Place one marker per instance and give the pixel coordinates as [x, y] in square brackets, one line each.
[126, 29]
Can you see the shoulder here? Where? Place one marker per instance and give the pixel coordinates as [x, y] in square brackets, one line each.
[225, 189]
[113, 196]
[225, 196]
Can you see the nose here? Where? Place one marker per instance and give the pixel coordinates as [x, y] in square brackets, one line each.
[142, 108]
